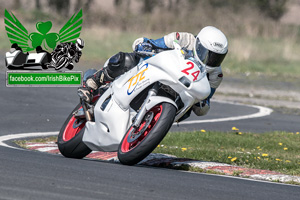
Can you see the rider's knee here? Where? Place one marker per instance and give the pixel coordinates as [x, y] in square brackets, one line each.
[121, 63]
[200, 110]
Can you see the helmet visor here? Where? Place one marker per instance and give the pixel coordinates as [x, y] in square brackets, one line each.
[208, 57]
[79, 47]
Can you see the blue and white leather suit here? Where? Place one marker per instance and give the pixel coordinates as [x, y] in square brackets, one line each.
[186, 41]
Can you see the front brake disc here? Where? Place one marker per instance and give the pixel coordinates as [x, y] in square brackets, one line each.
[133, 135]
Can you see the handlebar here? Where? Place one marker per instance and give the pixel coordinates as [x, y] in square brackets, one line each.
[145, 53]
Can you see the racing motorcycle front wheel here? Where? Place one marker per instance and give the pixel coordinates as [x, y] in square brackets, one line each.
[139, 142]
[69, 139]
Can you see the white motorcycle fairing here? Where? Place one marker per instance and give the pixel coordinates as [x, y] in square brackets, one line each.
[113, 113]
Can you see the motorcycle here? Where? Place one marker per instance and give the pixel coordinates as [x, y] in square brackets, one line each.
[136, 111]
[64, 59]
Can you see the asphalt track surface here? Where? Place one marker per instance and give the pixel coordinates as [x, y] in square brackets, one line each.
[34, 175]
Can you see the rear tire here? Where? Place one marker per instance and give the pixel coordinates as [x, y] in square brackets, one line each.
[132, 152]
[69, 139]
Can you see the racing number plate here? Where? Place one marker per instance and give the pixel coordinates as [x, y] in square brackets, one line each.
[191, 70]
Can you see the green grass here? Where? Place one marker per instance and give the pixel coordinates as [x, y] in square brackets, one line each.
[268, 56]
[252, 56]
[100, 48]
[23, 143]
[277, 58]
[102, 44]
[276, 151]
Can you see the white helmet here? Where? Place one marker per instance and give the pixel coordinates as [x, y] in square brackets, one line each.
[211, 46]
[79, 44]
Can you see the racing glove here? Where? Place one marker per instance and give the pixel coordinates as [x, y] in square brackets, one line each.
[155, 44]
[143, 47]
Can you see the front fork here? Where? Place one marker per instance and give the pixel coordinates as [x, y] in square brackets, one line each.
[87, 114]
[139, 117]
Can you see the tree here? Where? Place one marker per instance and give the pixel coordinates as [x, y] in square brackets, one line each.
[37, 4]
[273, 8]
[62, 7]
[17, 4]
[148, 5]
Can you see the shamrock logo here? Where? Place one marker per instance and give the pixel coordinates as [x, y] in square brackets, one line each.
[48, 39]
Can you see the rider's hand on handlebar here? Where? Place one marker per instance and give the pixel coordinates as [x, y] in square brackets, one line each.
[145, 46]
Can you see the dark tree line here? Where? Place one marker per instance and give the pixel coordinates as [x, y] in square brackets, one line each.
[60, 6]
[274, 9]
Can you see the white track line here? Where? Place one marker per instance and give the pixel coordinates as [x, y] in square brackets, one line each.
[262, 111]
[41, 145]
[40, 134]
[43, 134]
[46, 149]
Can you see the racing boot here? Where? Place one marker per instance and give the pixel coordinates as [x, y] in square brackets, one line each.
[92, 84]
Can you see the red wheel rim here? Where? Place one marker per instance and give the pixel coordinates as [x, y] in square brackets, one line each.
[71, 130]
[126, 146]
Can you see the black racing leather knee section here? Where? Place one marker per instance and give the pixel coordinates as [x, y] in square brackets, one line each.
[121, 63]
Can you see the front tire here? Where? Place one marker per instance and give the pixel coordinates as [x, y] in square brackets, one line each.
[69, 139]
[132, 150]
[62, 62]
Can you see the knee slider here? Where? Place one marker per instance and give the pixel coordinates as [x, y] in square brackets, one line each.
[131, 60]
[115, 65]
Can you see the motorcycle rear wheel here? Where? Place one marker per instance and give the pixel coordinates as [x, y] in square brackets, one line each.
[132, 150]
[69, 139]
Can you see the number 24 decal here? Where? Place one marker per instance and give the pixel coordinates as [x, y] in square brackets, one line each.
[194, 74]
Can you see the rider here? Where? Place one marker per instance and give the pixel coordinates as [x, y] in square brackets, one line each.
[209, 47]
[61, 52]
[14, 47]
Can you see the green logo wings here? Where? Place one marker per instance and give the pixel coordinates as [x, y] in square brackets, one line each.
[17, 33]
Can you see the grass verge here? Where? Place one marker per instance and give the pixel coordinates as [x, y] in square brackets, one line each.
[276, 151]
[24, 143]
